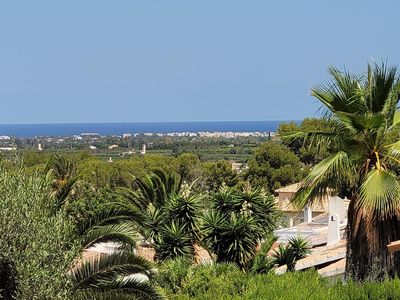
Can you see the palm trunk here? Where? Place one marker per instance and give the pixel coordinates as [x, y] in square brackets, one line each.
[367, 240]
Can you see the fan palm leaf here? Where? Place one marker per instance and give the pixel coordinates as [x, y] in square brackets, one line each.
[364, 150]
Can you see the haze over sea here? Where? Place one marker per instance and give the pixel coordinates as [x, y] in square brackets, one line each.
[68, 129]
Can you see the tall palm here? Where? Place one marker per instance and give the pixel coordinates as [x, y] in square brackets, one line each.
[363, 130]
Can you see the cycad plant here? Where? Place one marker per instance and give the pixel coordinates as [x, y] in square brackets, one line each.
[363, 133]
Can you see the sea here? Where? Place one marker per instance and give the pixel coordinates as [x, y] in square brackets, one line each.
[69, 129]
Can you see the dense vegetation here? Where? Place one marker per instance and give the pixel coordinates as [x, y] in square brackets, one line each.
[226, 281]
[55, 207]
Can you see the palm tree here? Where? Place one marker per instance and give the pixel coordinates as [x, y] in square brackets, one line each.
[121, 275]
[363, 131]
[154, 188]
[62, 173]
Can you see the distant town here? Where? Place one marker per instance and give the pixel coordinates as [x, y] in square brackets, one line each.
[217, 144]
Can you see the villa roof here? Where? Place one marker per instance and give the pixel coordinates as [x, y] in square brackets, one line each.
[286, 205]
[336, 268]
[293, 188]
[331, 257]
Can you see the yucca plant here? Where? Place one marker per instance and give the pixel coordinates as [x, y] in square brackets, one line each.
[236, 224]
[233, 238]
[287, 254]
[185, 209]
[364, 137]
[282, 255]
[299, 247]
[174, 242]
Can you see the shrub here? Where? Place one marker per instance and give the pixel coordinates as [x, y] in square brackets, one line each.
[39, 243]
[226, 281]
[171, 274]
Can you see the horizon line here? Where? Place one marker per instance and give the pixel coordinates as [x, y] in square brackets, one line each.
[157, 122]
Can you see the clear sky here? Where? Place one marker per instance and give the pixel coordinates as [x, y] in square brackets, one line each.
[167, 60]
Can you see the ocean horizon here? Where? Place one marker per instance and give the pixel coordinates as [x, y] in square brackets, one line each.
[68, 129]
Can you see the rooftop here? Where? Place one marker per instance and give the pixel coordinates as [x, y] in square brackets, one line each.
[293, 188]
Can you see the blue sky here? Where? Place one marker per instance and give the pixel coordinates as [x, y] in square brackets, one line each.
[117, 61]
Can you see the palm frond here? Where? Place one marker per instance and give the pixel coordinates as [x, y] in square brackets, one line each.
[330, 173]
[124, 232]
[116, 213]
[114, 276]
[380, 192]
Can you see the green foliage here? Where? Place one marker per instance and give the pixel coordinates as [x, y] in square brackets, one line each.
[105, 277]
[174, 241]
[236, 223]
[273, 165]
[185, 209]
[41, 245]
[188, 166]
[170, 214]
[218, 173]
[296, 248]
[172, 272]
[308, 153]
[63, 173]
[87, 200]
[262, 263]
[226, 281]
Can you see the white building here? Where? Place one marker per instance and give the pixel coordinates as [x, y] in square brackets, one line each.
[143, 152]
[326, 235]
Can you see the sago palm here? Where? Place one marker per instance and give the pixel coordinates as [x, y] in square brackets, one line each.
[363, 131]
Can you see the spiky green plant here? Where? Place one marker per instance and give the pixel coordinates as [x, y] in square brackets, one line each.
[185, 209]
[262, 263]
[237, 222]
[174, 242]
